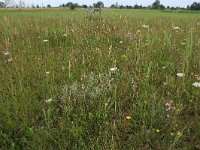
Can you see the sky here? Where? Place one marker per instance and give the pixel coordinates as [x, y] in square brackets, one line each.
[174, 3]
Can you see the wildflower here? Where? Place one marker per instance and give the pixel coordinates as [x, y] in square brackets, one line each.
[178, 133]
[106, 104]
[138, 31]
[145, 26]
[39, 37]
[176, 28]
[45, 41]
[128, 117]
[121, 42]
[6, 53]
[10, 60]
[172, 134]
[47, 72]
[113, 69]
[49, 100]
[180, 74]
[196, 84]
[169, 106]
[183, 43]
[157, 130]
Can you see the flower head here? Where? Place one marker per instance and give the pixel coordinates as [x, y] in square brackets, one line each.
[128, 117]
[113, 69]
[6, 53]
[145, 26]
[10, 60]
[157, 130]
[180, 74]
[196, 84]
[176, 28]
[45, 41]
[49, 100]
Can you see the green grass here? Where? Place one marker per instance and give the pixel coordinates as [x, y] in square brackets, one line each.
[143, 105]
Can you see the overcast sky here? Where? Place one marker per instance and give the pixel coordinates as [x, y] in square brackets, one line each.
[181, 3]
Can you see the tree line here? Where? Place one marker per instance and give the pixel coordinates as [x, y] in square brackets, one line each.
[155, 5]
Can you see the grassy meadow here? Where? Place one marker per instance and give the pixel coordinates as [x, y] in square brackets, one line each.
[128, 79]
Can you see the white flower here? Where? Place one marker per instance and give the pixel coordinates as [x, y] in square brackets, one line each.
[6, 53]
[121, 42]
[49, 100]
[47, 72]
[10, 60]
[113, 69]
[180, 74]
[196, 84]
[138, 31]
[145, 26]
[176, 28]
[45, 41]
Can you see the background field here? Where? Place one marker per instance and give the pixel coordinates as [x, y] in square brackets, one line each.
[57, 90]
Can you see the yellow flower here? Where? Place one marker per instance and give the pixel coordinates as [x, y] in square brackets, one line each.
[106, 104]
[178, 133]
[128, 117]
[157, 130]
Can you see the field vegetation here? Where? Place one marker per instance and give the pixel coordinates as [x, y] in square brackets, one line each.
[126, 79]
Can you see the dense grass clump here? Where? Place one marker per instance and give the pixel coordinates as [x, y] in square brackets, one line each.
[124, 80]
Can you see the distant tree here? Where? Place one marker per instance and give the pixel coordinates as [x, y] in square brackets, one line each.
[68, 4]
[172, 8]
[113, 6]
[128, 7]
[99, 4]
[63, 5]
[22, 4]
[10, 3]
[32, 5]
[72, 7]
[162, 7]
[37, 6]
[121, 7]
[195, 6]
[84, 6]
[2, 5]
[48, 6]
[136, 6]
[156, 4]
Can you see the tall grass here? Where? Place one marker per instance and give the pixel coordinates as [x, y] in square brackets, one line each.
[61, 94]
